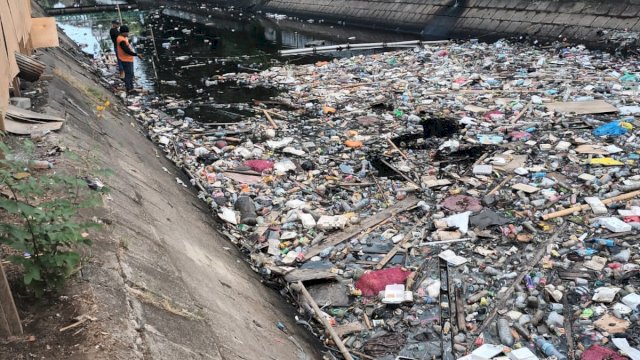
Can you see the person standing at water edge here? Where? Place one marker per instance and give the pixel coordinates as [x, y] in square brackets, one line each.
[126, 56]
[114, 33]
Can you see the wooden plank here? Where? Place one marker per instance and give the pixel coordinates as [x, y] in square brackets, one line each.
[349, 328]
[44, 33]
[582, 107]
[23, 128]
[10, 38]
[324, 321]
[243, 178]
[501, 299]
[18, 113]
[9, 314]
[350, 232]
[4, 80]
[398, 246]
[309, 274]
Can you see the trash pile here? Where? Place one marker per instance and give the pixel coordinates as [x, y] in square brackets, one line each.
[464, 200]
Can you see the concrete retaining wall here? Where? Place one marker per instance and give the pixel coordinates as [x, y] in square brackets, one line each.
[543, 19]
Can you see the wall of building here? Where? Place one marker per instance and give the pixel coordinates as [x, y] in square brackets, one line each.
[580, 20]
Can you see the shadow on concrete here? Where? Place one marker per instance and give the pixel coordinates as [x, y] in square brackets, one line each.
[442, 23]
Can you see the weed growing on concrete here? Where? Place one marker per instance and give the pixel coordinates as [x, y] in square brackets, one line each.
[43, 226]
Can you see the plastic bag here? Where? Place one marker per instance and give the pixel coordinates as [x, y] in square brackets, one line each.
[614, 128]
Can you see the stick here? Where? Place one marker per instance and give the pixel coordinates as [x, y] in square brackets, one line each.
[75, 324]
[325, 322]
[396, 149]
[356, 184]
[397, 247]
[119, 13]
[434, 243]
[579, 208]
[521, 112]
[276, 114]
[399, 173]
[273, 124]
[507, 294]
[495, 189]
[568, 326]
[369, 223]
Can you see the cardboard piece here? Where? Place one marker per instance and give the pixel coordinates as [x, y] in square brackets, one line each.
[23, 128]
[44, 33]
[612, 324]
[526, 188]
[583, 107]
[591, 149]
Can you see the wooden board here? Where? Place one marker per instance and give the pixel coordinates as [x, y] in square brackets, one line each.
[583, 107]
[309, 274]
[4, 81]
[9, 320]
[352, 231]
[19, 18]
[23, 128]
[349, 328]
[44, 33]
[22, 114]
[10, 38]
[243, 178]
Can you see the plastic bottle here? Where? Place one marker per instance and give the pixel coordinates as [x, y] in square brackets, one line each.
[504, 332]
[492, 271]
[40, 164]
[601, 241]
[586, 252]
[548, 349]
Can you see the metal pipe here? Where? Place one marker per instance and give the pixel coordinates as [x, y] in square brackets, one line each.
[363, 46]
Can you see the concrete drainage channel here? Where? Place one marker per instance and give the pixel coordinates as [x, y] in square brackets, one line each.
[402, 235]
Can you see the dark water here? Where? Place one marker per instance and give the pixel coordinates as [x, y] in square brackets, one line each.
[187, 48]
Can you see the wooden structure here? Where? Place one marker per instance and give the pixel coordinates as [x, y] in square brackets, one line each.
[19, 34]
[9, 320]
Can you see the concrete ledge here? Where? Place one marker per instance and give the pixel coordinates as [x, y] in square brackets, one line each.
[545, 19]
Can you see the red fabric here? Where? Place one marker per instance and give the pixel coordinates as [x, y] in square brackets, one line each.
[597, 352]
[632, 219]
[371, 283]
[259, 165]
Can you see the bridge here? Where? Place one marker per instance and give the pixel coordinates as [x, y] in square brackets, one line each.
[129, 5]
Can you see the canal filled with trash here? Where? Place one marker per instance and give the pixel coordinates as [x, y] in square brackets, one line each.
[187, 49]
[456, 199]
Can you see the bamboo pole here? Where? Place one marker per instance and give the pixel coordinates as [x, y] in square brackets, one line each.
[325, 322]
[119, 13]
[579, 208]
[273, 123]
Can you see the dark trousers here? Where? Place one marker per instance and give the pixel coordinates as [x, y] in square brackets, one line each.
[128, 75]
[115, 49]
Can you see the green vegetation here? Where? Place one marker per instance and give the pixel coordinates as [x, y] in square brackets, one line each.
[41, 222]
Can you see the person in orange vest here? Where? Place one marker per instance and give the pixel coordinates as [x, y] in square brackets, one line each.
[126, 54]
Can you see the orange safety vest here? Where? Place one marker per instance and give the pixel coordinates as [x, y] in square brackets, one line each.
[123, 56]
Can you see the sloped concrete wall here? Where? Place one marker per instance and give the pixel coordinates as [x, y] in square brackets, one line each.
[576, 20]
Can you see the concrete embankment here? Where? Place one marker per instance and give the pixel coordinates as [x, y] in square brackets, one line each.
[577, 21]
[166, 284]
